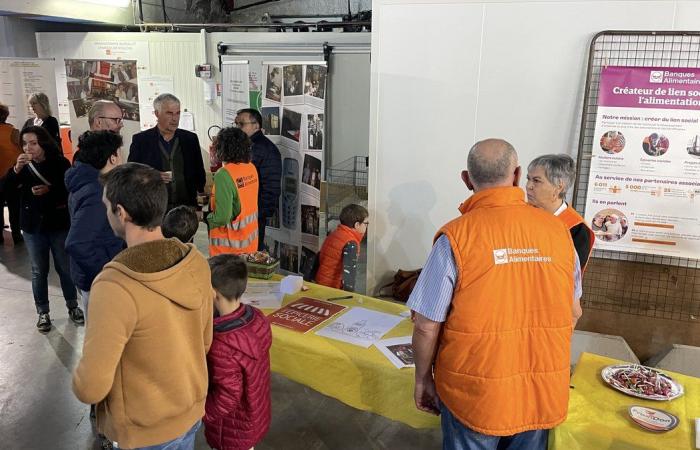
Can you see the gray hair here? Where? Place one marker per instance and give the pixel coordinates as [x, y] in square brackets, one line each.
[98, 109]
[490, 161]
[43, 100]
[164, 98]
[558, 169]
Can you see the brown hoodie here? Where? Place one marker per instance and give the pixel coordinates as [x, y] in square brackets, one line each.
[144, 355]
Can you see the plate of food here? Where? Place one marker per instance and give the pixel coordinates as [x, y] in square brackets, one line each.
[642, 381]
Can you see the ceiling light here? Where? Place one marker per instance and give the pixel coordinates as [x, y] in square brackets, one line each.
[117, 3]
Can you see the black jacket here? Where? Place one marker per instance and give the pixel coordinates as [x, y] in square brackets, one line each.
[91, 243]
[48, 212]
[268, 161]
[145, 150]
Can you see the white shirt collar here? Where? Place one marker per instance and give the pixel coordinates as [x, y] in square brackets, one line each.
[561, 208]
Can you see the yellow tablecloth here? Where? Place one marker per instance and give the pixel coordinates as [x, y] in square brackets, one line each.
[598, 416]
[362, 378]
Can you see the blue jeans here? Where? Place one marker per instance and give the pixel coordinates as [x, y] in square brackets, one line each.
[456, 436]
[39, 246]
[184, 442]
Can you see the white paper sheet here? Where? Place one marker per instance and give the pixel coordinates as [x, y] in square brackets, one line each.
[360, 326]
[398, 350]
[263, 294]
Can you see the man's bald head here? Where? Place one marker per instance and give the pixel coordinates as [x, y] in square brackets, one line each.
[105, 115]
[492, 163]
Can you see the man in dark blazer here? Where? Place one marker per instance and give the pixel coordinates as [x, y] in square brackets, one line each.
[268, 162]
[172, 151]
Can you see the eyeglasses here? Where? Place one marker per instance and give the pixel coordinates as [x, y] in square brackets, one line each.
[117, 120]
[365, 223]
[240, 124]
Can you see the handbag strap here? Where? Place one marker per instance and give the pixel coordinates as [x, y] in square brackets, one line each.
[35, 171]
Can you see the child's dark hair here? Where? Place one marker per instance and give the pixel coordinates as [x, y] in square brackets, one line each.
[180, 222]
[352, 214]
[229, 275]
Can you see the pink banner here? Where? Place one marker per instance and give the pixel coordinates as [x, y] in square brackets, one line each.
[650, 87]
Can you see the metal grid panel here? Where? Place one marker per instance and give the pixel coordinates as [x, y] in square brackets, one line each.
[633, 283]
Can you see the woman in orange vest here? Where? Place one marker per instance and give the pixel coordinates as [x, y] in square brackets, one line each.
[233, 216]
[9, 151]
[549, 177]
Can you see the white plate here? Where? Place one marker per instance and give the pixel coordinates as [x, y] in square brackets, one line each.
[608, 372]
[653, 419]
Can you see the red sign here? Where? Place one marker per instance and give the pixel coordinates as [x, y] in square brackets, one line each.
[304, 314]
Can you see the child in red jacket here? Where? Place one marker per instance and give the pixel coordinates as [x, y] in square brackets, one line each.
[237, 412]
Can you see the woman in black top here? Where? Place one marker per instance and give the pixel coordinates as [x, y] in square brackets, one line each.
[38, 176]
[42, 116]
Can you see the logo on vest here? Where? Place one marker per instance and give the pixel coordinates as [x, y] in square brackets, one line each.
[518, 255]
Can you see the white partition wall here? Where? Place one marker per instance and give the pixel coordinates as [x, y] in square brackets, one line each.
[447, 74]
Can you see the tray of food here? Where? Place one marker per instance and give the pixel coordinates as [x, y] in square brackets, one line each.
[261, 265]
[642, 381]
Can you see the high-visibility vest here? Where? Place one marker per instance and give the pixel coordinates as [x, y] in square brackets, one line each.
[571, 218]
[8, 149]
[330, 268]
[241, 235]
[502, 364]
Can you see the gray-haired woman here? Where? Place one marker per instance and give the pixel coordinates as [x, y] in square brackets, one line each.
[549, 177]
[42, 116]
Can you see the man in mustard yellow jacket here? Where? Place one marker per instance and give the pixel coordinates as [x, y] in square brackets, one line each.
[144, 355]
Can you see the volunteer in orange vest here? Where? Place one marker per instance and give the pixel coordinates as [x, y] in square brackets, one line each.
[341, 250]
[9, 151]
[549, 177]
[233, 216]
[493, 313]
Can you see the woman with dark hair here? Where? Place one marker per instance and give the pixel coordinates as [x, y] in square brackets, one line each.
[38, 175]
[42, 116]
[233, 216]
[91, 243]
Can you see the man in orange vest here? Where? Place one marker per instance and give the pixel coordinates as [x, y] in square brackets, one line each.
[493, 314]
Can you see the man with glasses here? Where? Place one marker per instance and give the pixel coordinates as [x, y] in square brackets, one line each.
[268, 161]
[105, 115]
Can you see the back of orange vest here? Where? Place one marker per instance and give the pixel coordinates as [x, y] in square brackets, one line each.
[241, 235]
[503, 362]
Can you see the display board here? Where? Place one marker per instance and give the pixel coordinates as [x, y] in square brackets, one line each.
[293, 111]
[21, 77]
[291, 97]
[90, 80]
[643, 179]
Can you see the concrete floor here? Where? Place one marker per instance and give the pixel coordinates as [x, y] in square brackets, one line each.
[38, 409]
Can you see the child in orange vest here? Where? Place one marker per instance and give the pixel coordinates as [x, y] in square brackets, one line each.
[340, 251]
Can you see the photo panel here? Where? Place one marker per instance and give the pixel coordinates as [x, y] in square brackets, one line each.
[291, 125]
[293, 82]
[310, 219]
[311, 174]
[271, 120]
[289, 257]
[273, 83]
[314, 131]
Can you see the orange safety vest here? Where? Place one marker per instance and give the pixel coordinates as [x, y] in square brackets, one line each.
[502, 365]
[241, 235]
[571, 218]
[330, 268]
[9, 151]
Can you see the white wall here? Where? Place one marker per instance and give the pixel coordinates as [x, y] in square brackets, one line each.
[447, 74]
[72, 9]
[173, 54]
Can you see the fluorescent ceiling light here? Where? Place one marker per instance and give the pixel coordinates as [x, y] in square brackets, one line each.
[117, 3]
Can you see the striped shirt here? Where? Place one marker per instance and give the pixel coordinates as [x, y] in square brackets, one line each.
[432, 295]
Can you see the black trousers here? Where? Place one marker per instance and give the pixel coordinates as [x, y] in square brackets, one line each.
[262, 224]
